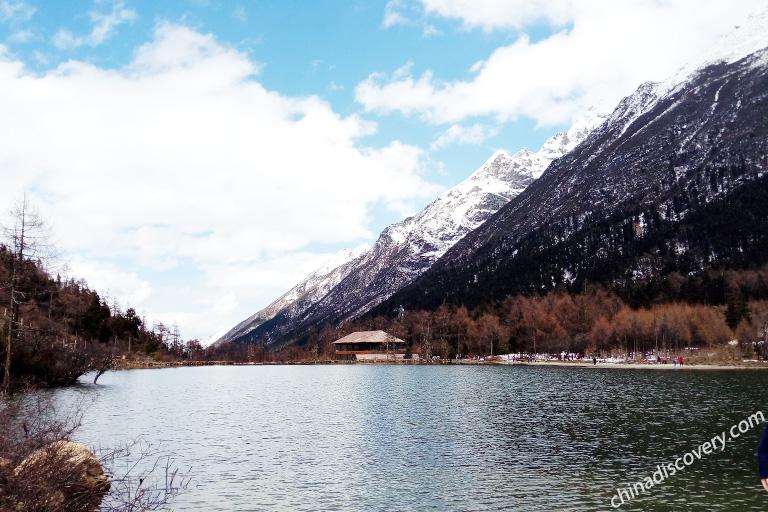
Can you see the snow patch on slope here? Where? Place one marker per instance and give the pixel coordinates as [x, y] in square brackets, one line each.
[734, 46]
[739, 44]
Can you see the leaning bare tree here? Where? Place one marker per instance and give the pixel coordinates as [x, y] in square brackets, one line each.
[28, 237]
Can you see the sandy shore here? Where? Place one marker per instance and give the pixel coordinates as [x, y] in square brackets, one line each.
[645, 366]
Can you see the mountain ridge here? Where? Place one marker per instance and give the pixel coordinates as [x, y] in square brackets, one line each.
[666, 150]
[315, 285]
[406, 249]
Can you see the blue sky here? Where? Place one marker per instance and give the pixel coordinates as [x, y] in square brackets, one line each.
[301, 48]
[198, 157]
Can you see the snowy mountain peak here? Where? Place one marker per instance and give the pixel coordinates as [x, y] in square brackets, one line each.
[564, 142]
[407, 249]
[744, 41]
[691, 157]
[338, 259]
[522, 153]
[739, 43]
[312, 287]
[584, 125]
[501, 167]
[528, 164]
[494, 157]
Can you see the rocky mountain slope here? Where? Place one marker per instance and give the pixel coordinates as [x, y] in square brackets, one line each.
[407, 249]
[309, 290]
[671, 162]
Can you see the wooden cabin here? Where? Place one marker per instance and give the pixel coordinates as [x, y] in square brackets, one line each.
[369, 346]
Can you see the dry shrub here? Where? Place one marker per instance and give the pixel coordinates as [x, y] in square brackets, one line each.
[42, 470]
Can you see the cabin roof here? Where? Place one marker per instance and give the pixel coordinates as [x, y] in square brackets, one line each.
[369, 337]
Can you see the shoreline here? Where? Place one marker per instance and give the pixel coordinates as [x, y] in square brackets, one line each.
[762, 365]
[643, 366]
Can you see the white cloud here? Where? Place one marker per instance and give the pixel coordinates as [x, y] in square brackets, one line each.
[393, 14]
[604, 51]
[431, 31]
[227, 294]
[103, 28]
[183, 161]
[104, 24]
[458, 134]
[16, 11]
[108, 279]
[65, 39]
[239, 14]
[503, 14]
[40, 58]
[21, 36]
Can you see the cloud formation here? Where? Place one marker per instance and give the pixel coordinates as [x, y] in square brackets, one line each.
[506, 14]
[103, 28]
[182, 160]
[458, 134]
[393, 15]
[599, 51]
[16, 11]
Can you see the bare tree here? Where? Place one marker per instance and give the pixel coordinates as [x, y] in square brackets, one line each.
[102, 360]
[28, 237]
[176, 337]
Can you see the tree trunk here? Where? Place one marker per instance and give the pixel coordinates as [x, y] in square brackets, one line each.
[11, 322]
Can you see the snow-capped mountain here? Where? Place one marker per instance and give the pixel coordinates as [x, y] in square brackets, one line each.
[309, 290]
[407, 249]
[628, 202]
[746, 40]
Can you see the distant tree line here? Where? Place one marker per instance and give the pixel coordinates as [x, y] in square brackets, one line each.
[673, 316]
[54, 329]
[597, 322]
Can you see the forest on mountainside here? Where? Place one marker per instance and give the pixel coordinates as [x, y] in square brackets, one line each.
[53, 329]
[63, 329]
[721, 314]
[633, 282]
[67, 329]
[640, 251]
[696, 277]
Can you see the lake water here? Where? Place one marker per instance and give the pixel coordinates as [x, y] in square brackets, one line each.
[447, 438]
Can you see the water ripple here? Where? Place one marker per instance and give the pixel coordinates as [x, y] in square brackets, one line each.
[391, 438]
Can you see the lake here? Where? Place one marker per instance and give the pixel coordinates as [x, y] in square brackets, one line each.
[448, 437]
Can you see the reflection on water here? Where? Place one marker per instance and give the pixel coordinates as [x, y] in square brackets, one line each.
[354, 437]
